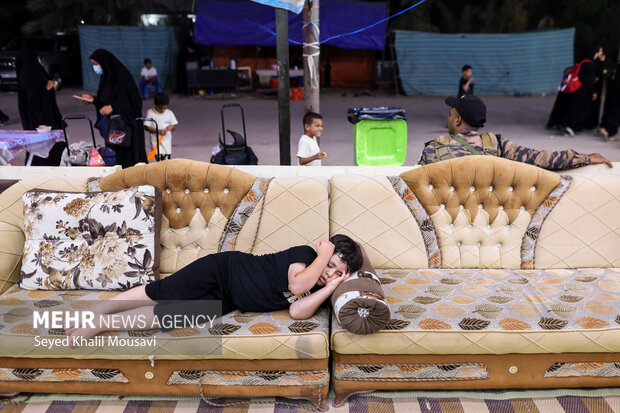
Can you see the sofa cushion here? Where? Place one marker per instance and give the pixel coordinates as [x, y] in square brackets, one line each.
[368, 209]
[359, 302]
[488, 311]
[584, 227]
[92, 240]
[234, 336]
[12, 221]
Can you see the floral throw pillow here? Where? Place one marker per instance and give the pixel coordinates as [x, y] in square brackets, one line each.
[91, 240]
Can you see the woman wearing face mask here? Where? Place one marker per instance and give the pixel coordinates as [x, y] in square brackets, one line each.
[36, 100]
[117, 95]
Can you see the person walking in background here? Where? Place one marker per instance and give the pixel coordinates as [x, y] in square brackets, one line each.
[611, 115]
[308, 150]
[4, 119]
[466, 84]
[577, 92]
[592, 122]
[117, 95]
[148, 77]
[36, 100]
[166, 123]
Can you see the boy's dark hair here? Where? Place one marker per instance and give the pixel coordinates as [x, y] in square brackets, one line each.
[161, 99]
[348, 251]
[466, 67]
[310, 116]
[147, 61]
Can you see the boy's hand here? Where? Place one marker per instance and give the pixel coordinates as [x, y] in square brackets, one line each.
[335, 282]
[324, 247]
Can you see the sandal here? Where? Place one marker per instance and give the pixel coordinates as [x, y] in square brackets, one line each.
[605, 134]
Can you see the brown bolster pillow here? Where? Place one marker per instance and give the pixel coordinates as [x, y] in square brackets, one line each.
[359, 303]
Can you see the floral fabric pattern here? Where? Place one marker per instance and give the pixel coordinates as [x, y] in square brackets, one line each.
[586, 369]
[502, 300]
[31, 374]
[91, 240]
[242, 213]
[421, 216]
[250, 378]
[528, 245]
[411, 372]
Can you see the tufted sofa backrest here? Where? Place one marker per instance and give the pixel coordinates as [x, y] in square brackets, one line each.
[481, 207]
[188, 187]
[199, 199]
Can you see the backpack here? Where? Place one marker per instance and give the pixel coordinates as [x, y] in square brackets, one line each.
[570, 81]
[443, 150]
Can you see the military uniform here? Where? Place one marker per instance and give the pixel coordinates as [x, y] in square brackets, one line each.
[553, 160]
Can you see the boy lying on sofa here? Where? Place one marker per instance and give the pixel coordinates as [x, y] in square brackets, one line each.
[298, 278]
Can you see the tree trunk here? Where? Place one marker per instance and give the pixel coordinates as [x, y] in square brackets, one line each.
[311, 53]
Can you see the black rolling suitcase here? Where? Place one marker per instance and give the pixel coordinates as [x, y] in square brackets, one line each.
[238, 152]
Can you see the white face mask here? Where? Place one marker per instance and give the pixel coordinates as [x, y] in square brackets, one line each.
[98, 69]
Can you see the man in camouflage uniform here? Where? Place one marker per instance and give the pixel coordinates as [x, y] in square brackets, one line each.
[467, 115]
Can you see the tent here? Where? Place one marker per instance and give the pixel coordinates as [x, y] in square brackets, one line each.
[246, 30]
[513, 63]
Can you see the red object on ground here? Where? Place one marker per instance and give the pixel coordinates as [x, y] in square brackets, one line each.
[297, 93]
[273, 83]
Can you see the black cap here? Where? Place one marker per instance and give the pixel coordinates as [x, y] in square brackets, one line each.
[471, 108]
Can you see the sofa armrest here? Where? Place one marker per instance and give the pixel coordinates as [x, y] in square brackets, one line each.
[11, 248]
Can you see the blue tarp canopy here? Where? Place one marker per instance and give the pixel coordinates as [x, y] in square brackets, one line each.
[240, 22]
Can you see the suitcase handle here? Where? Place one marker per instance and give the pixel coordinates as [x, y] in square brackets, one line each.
[156, 132]
[232, 105]
[75, 117]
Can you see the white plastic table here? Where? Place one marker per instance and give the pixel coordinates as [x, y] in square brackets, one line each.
[13, 142]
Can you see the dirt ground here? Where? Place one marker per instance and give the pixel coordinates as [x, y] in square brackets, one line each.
[521, 119]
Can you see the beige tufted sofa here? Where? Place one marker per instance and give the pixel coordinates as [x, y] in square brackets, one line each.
[498, 275]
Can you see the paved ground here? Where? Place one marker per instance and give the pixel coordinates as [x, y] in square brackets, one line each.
[520, 119]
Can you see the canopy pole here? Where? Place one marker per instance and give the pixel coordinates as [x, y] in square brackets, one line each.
[311, 54]
[284, 104]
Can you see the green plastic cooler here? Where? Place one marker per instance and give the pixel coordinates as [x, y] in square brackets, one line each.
[381, 141]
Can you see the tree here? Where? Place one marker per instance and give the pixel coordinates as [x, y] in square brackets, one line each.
[52, 16]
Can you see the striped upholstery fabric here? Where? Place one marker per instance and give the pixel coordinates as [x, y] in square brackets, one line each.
[430, 63]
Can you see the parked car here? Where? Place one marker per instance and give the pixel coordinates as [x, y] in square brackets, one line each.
[60, 56]
[8, 76]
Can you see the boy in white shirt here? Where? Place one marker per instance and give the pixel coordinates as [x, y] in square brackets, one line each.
[166, 122]
[148, 77]
[308, 151]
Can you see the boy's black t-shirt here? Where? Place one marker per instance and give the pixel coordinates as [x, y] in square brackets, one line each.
[469, 91]
[259, 283]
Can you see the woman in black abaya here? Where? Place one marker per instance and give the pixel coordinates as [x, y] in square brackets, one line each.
[36, 100]
[571, 111]
[611, 116]
[118, 95]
